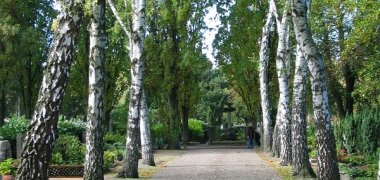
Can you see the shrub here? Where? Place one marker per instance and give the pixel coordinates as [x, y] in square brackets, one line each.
[114, 141]
[196, 131]
[74, 126]
[16, 125]
[57, 159]
[8, 167]
[71, 150]
[359, 133]
[118, 115]
[112, 138]
[158, 134]
[109, 158]
[311, 138]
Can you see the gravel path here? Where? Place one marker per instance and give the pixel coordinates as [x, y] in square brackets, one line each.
[217, 162]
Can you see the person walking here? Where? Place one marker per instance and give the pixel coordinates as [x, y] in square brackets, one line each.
[250, 135]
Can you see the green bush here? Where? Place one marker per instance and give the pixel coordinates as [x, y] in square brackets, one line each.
[16, 125]
[8, 167]
[109, 158]
[71, 150]
[158, 135]
[114, 141]
[311, 140]
[57, 159]
[118, 116]
[359, 133]
[196, 131]
[112, 138]
[74, 126]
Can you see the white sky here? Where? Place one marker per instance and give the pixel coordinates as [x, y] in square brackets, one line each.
[212, 22]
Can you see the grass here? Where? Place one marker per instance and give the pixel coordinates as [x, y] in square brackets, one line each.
[285, 172]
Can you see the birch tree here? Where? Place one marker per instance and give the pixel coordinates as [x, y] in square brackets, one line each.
[327, 159]
[301, 164]
[283, 126]
[146, 139]
[264, 58]
[137, 35]
[38, 145]
[93, 168]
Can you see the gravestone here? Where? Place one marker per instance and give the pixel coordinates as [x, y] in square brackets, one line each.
[5, 150]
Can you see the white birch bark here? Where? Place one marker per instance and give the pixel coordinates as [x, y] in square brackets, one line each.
[264, 56]
[301, 164]
[130, 167]
[283, 70]
[38, 145]
[327, 158]
[146, 139]
[93, 168]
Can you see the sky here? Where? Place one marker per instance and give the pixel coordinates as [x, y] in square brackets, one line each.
[212, 22]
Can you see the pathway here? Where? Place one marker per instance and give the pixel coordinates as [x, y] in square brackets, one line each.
[218, 162]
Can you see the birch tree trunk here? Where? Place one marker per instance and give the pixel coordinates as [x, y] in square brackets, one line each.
[264, 56]
[93, 168]
[276, 144]
[38, 145]
[301, 163]
[283, 69]
[130, 167]
[146, 139]
[327, 159]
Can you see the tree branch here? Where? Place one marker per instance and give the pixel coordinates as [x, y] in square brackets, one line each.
[118, 18]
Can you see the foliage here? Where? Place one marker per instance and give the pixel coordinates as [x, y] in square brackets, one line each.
[118, 115]
[158, 133]
[359, 133]
[214, 95]
[196, 130]
[114, 141]
[8, 167]
[240, 136]
[312, 140]
[112, 138]
[15, 126]
[237, 56]
[74, 126]
[72, 152]
[108, 158]
[56, 159]
[360, 172]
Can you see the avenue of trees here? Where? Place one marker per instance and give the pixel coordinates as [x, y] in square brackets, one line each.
[138, 68]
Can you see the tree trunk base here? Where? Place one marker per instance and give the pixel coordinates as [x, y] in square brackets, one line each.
[304, 173]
